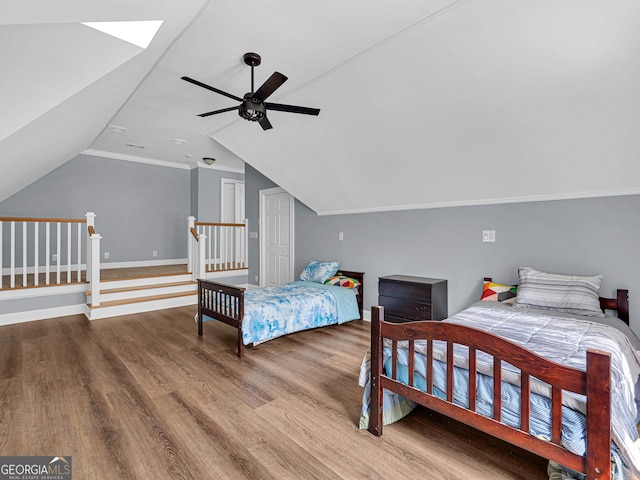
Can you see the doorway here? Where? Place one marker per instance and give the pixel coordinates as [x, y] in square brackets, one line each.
[276, 237]
[231, 201]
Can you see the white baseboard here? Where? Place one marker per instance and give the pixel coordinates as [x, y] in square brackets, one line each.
[21, 317]
[366, 315]
[143, 263]
[42, 291]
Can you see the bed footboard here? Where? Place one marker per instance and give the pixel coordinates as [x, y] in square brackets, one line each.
[595, 384]
[224, 303]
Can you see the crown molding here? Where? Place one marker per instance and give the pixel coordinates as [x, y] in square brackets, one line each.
[217, 167]
[134, 158]
[489, 201]
[162, 163]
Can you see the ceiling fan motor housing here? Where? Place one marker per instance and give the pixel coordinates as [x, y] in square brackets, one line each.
[251, 109]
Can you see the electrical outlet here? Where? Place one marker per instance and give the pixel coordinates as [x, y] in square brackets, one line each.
[255, 278]
[54, 258]
[106, 255]
[489, 236]
[155, 253]
[340, 236]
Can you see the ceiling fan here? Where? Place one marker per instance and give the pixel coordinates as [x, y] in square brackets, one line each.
[253, 106]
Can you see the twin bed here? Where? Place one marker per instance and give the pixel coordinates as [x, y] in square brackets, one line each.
[565, 384]
[266, 313]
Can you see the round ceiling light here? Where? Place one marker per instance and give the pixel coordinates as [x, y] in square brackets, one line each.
[208, 160]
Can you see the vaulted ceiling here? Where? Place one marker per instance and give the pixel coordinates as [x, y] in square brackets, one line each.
[424, 103]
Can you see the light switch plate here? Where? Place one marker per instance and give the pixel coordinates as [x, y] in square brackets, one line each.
[488, 235]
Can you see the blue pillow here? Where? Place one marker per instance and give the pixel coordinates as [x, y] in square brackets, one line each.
[319, 271]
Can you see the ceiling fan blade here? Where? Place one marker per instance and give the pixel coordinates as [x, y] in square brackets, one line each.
[222, 110]
[209, 87]
[291, 108]
[265, 123]
[270, 86]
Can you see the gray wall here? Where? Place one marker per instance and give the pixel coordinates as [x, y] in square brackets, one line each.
[586, 236]
[139, 207]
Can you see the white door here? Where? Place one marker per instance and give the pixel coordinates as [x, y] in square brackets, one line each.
[232, 201]
[276, 237]
[232, 211]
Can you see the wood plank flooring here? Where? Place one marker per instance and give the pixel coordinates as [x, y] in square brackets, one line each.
[143, 397]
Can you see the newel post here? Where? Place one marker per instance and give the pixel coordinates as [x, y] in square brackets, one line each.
[202, 255]
[95, 268]
[190, 224]
[91, 222]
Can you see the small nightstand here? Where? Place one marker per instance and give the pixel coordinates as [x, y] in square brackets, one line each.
[407, 299]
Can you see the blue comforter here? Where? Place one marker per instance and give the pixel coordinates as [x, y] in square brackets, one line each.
[274, 311]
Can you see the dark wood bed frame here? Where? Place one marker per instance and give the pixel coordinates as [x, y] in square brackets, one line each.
[226, 303]
[595, 384]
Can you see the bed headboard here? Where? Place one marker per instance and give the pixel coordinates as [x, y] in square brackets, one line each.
[360, 296]
[620, 304]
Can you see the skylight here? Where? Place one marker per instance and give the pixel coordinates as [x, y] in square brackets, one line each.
[138, 33]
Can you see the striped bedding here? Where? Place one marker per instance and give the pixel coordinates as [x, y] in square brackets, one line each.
[563, 338]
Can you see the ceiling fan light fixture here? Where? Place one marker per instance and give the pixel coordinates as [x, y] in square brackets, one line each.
[252, 110]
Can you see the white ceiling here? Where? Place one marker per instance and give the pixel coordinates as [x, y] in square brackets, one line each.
[424, 103]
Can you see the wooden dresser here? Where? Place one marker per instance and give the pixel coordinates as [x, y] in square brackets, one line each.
[406, 298]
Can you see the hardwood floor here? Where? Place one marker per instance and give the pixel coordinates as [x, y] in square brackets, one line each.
[144, 397]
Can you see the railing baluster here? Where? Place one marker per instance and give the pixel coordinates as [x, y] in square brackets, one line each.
[47, 253]
[36, 259]
[58, 259]
[215, 248]
[24, 254]
[68, 252]
[12, 273]
[232, 247]
[79, 251]
[225, 263]
[209, 241]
